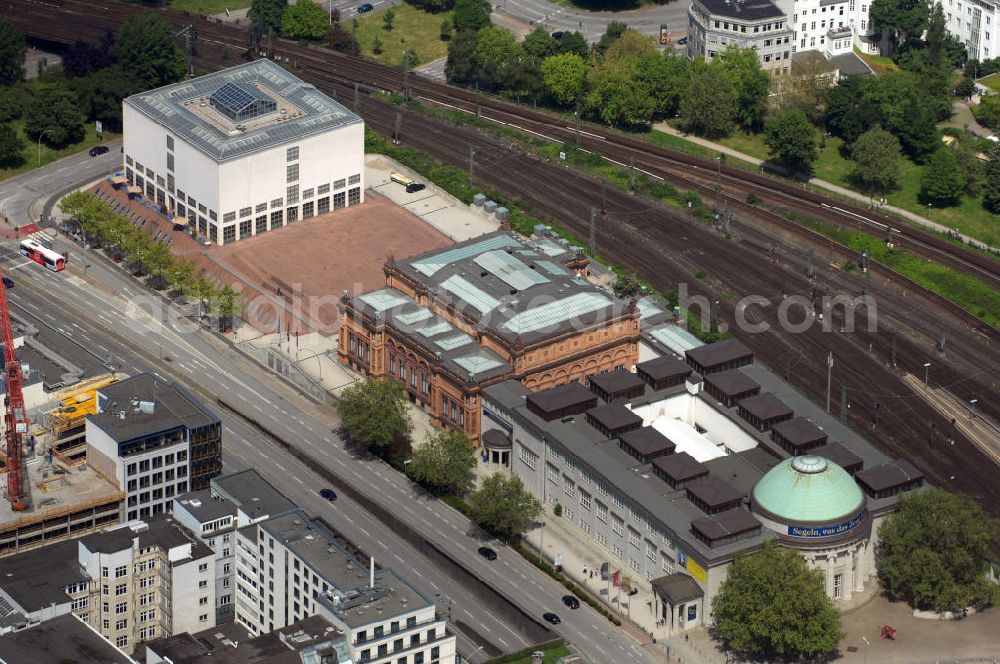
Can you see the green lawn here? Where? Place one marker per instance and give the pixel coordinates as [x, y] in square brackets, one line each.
[30, 153]
[969, 217]
[877, 62]
[992, 81]
[552, 652]
[414, 30]
[208, 6]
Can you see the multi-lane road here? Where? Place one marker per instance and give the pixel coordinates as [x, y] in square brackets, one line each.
[96, 311]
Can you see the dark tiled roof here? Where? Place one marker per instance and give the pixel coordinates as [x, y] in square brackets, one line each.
[727, 524]
[680, 467]
[713, 491]
[677, 587]
[58, 641]
[889, 475]
[648, 442]
[849, 64]
[572, 397]
[765, 407]
[720, 352]
[799, 432]
[664, 368]
[614, 416]
[495, 439]
[732, 383]
[619, 380]
[838, 454]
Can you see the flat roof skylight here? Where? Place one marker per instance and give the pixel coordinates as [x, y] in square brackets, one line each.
[512, 271]
[554, 313]
[385, 299]
[465, 291]
[428, 265]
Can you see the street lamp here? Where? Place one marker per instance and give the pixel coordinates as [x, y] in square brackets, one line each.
[45, 131]
[972, 414]
[927, 368]
[928, 211]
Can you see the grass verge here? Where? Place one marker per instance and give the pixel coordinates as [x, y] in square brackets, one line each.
[208, 6]
[414, 30]
[553, 651]
[29, 155]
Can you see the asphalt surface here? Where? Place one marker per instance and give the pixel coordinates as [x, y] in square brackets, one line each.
[102, 309]
[593, 24]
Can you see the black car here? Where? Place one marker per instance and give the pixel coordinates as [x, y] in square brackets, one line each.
[682, 41]
[571, 601]
[365, 8]
[414, 187]
[329, 494]
[488, 553]
[558, 34]
[98, 150]
[8, 282]
[551, 618]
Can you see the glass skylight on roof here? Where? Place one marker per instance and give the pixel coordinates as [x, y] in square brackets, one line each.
[465, 291]
[451, 343]
[647, 307]
[242, 101]
[411, 317]
[385, 299]
[549, 247]
[435, 328]
[479, 362]
[554, 269]
[676, 339]
[504, 266]
[428, 265]
[554, 313]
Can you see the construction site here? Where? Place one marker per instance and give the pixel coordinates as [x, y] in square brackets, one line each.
[55, 495]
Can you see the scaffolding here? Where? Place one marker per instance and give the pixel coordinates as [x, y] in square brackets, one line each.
[68, 421]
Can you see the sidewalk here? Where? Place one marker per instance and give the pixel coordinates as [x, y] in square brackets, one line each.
[823, 184]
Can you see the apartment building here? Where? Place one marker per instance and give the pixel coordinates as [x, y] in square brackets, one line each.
[289, 567]
[212, 520]
[155, 441]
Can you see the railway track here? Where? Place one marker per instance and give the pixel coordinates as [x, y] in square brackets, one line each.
[676, 167]
[667, 247]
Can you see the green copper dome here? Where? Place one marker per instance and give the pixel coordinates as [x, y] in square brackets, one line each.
[808, 489]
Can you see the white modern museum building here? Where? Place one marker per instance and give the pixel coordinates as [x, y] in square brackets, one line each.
[242, 151]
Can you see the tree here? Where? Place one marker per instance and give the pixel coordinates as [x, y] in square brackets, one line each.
[376, 44]
[12, 51]
[919, 135]
[444, 463]
[101, 93]
[54, 111]
[749, 81]
[461, 66]
[967, 157]
[666, 77]
[615, 98]
[503, 507]
[851, 110]
[710, 105]
[539, 44]
[496, 52]
[266, 14]
[614, 30]
[899, 19]
[374, 412]
[471, 14]
[965, 87]
[772, 606]
[573, 42]
[791, 140]
[340, 39]
[146, 50]
[227, 305]
[991, 182]
[876, 155]
[563, 76]
[305, 20]
[387, 19]
[83, 58]
[11, 146]
[941, 182]
[987, 111]
[446, 30]
[627, 284]
[934, 551]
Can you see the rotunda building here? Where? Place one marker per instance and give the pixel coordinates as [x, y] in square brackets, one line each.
[815, 506]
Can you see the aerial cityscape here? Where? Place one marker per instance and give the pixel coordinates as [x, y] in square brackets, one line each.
[513, 332]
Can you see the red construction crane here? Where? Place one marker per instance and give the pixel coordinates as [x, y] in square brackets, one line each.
[16, 423]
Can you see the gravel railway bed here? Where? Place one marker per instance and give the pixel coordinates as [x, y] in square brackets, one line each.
[667, 247]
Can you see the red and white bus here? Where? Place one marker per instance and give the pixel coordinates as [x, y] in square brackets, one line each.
[43, 255]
